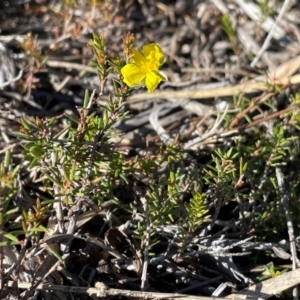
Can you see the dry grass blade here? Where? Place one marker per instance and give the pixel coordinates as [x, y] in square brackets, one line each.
[242, 88]
[102, 291]
[268, 288]
[281, 74]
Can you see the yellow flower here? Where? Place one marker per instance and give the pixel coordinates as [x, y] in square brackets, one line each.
[143, 68]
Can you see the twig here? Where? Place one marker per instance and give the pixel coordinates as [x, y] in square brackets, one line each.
[144, 279]
[70, 65]
[244, 88]
[270, 34]
[153, 119]
[57, 206]
[219, 70]
[4, 84]
[10, 147]
[285, 205]
[95, 142]
[102, 291]
[268, 288]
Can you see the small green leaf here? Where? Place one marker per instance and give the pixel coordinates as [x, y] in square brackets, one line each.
[33, 163]
[11, 237]
[36, 151]
[7, 159]
[86, 99]
[24, 136]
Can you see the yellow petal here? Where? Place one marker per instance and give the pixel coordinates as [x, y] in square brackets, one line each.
[132, 74]
[138, 58]
[152, 80]
[153, 53]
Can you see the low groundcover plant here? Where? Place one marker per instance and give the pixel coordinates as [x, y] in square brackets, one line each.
[167, 201]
